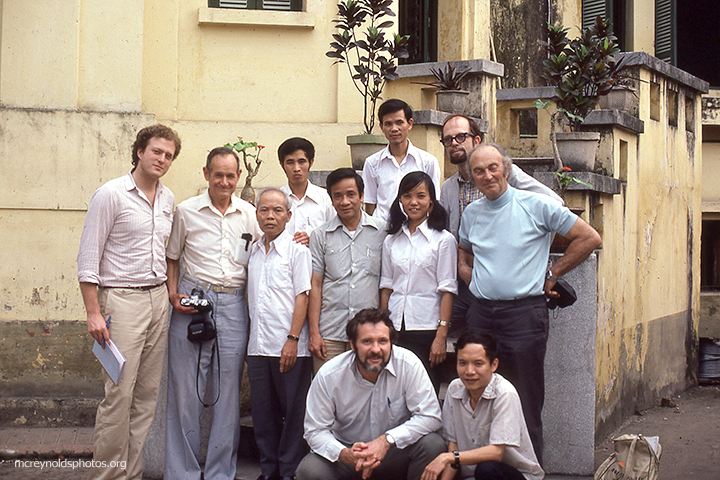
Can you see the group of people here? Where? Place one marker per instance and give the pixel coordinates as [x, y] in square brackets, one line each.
[347, 314]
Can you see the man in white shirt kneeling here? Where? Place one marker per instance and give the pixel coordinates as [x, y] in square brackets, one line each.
[372, 410]
[483, 421]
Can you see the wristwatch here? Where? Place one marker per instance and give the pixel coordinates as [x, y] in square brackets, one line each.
[456, 464]
[390, 439]
[550, 276]
[293, 337]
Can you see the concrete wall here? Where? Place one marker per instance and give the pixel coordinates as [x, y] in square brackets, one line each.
[648, 273]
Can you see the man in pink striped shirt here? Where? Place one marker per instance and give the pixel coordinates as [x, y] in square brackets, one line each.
[122, 273]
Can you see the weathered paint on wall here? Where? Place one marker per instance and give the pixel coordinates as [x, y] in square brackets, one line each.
[648, 273]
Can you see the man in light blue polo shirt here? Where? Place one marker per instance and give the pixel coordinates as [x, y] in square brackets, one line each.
[503, 255]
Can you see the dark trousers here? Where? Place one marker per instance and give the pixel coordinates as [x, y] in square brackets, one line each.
[419, 342]
[520, 328]
[461, 304]
[278, 410]
[407, 463]
[497, 471]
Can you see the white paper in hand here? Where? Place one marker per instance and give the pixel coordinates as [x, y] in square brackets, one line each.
[111, 359]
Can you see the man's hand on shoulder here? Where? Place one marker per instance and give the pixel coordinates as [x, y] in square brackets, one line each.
[302, 237]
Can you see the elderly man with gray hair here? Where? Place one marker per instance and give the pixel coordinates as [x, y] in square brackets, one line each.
[504, 245]
[278, 359]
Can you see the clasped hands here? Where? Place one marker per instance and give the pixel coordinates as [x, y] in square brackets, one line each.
[366, 457]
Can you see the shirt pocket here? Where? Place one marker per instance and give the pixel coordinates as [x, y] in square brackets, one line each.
[398, 410]
[163, 225]
[371, 259]
[244, 247]
[335, 265]
[280, 275]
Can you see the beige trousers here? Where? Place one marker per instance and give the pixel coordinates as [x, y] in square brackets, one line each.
[139, 328]
[333, 348]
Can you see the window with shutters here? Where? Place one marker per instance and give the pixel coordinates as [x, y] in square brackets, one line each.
[287, 5]
[419, 19]
[665, 32]
[612, 9]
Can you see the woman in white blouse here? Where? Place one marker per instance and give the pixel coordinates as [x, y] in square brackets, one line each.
[419, 268]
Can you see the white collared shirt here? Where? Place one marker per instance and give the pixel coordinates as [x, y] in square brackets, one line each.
[418, 268]
[309, 212]
[275, 278]
[344, 408]
[124, 236]
[214, 247]
[382, 175]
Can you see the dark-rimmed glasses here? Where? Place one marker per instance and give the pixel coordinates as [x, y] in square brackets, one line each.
[459, 138]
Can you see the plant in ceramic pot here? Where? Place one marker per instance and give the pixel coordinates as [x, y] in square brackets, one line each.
[250, 152]
[450, 97]
[371, 58]
[581, 70]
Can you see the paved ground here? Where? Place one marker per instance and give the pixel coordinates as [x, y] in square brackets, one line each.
[689, 433]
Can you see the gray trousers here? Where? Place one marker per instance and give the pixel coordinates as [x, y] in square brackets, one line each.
[407, 463]
[182, 443]
[277, 401]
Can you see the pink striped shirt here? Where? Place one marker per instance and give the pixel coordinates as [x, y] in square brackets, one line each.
[124, 237]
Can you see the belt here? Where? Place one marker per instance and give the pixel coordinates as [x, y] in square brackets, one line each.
[211, 287]
[143, 289]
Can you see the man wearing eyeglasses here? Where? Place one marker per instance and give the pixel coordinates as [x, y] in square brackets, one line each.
[459, 135]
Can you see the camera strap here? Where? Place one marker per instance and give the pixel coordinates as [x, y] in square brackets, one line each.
[214, 351]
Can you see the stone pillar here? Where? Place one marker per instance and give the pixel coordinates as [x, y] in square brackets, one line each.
[569, 411]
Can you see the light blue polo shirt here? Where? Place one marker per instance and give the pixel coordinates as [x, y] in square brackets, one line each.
[510, 238]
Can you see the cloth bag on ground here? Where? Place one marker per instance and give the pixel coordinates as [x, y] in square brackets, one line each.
[635, 458]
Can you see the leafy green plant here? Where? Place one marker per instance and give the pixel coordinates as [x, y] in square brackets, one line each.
[250, 152]
[581, 70]
[447, 78]
[362, 45]
[564, 180]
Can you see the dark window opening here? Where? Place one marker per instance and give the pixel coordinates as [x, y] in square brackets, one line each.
[419, 19]
[528, 123]
[611, 9]
[698, 39]
[710, 255]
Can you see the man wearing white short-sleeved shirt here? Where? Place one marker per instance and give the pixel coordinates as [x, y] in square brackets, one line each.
[311, 206]
[279, 363]
[384, 170]
[211, 238]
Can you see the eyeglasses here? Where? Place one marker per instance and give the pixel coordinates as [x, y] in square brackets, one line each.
[459, 138]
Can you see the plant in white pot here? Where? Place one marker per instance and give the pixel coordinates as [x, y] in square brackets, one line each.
[371, 58]
[581, 70]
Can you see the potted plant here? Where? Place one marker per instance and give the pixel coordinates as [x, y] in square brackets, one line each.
[250, 151]
[450, 97]
[371, 58]
[581, 70]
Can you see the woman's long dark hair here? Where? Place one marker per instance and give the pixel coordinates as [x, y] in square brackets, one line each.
[437, 219]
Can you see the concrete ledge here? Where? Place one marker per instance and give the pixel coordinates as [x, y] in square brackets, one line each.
[600, 183]
[255, 18]
[479, 65]
[643, 59]
[531, 93]
[615, 118]
[437, 118]
[48, 412]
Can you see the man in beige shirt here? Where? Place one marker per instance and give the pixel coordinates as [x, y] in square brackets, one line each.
[122, 274]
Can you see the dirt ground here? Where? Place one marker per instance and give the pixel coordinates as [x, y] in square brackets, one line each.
[689, 433]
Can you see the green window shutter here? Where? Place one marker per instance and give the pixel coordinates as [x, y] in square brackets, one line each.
[665, 31]
[288, 5]
[592, 8]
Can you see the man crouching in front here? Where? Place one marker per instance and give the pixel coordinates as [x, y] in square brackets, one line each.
[371, 411]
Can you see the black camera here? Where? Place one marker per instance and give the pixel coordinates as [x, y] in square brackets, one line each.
[201, 328]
